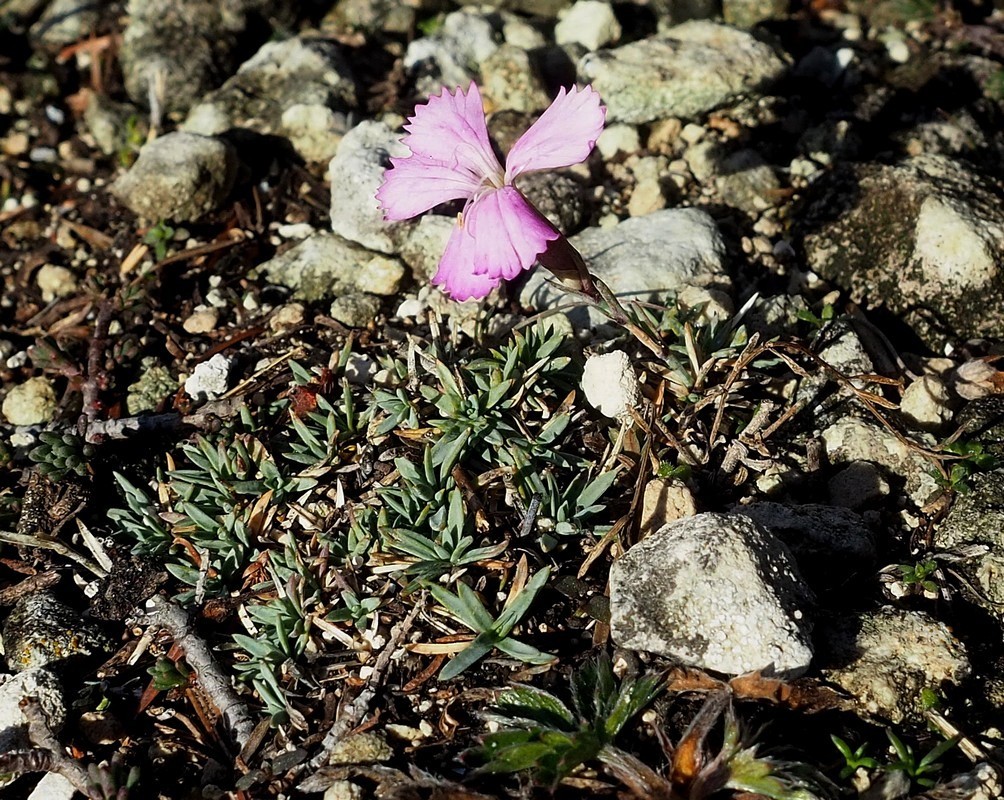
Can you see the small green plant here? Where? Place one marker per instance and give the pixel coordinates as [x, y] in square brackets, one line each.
[111, 781]
[133, 137]
[491, 632]
[995, 86]
[917, 577]
[60, 454]
[921, 771]
[542, 734]
[972, 458]
[355, 609]
[159, 237]
[826, 314]
[853, 759]
[168, 674]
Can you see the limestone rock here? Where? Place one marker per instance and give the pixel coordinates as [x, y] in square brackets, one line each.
[686, 71]
[610, 384]
[326, 266]
[924, 237]
[887, 658]
[30, 403]
[42, 631]
[300, 88]
[590, 23]
[355, 174]
[644, 258]
[714, 591]
[178, 176]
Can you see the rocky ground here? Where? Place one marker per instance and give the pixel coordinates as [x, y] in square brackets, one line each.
[279, 518]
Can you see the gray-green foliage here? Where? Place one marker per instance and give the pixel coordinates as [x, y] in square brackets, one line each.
[541, 733]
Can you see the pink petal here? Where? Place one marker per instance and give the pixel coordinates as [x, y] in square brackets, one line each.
[413, 185]
[456, 274]
[450, 129]
[508, 233]
[564, 135]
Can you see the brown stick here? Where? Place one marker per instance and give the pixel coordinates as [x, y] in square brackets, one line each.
[43, 738]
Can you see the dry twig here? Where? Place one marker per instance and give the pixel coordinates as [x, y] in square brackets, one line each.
[166, 614]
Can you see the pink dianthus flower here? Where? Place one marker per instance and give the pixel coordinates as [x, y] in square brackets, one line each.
[500, 233]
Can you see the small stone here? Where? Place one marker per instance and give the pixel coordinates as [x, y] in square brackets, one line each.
[610, 384]
[344, 790]
[665, 500]
[55, 282]
[380, 275]
[927, 403]
[30, 403]
[858, 485]
[315, 131]
[42, 631]
[618, 138]
[178, 176]
[510, 81]
[362, 748]
[355, 310]
[716, 592]
[360, 369]
[888, 658]
[210, 379]
[590, 23]
[202, 320]
[286, 317]
[53, 786]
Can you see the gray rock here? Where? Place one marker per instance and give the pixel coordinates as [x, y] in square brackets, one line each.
[558, 196]
[40, 683]
[590, 23]
[509, 80]
[925, 236]
[42, 631]
[853, 439]
[66, 21]
[982, 422]
[30, 403]
[857, 485]
[384, 16]
[974, 528]
[747, 182]
[180, 49]
[644, 258]
[178, 176]
[747, 13]
[540, 8]
[327, 266]
[451, 55]
[356, 310]
[831, 544]
[425, 244]
[300, 88]
[887, 658]
[355, 174]
[716, 592]
[687, 71]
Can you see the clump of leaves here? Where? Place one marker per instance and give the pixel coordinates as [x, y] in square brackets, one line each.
[61, 453]
[544, 735]
[921, 771]
[972, 458]
[111, 781]
[159, 237]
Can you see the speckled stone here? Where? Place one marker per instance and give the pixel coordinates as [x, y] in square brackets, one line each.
[886, 659]
[42, 631]
[713, 591]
